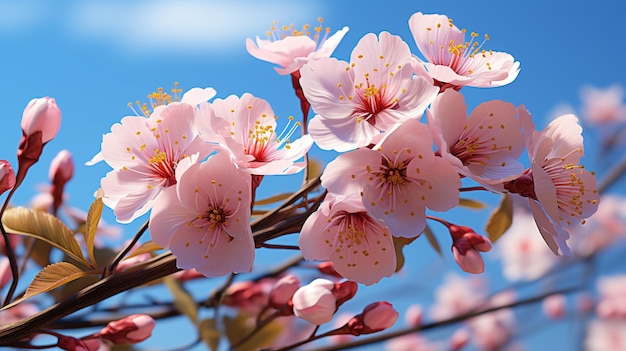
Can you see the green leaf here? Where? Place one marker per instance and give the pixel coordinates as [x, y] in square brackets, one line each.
[53, 276]
[432, 240]
[238, 327]
[91, 226]
[272, 199]
[183, 302]
[43, 226]
[398, 244]
[209, 333]
[473, 204]
[501, 219]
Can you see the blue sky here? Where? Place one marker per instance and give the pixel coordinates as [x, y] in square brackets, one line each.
[94, 57]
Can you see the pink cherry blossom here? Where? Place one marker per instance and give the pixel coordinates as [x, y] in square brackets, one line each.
[144, 153]
[602, 229]
[484, 146]
[493, 331]
[249, 297]
[41, 115]
[358, 100]
[524, 254]
[205, 219]
[7, 176]
[554, 306]
[458, 295]
[360, 247]
[397, 179]
[247, 127]
[602, 106]
[606, 335]
[291, 48]
[283, 290]
[612, 299]
[315, 302]
[561, 192]
[455, 62]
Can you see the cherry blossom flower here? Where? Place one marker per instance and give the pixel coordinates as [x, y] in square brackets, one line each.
[247, 127]
[397, 179]
[561, 192]
[605, 335]
[356, 101]
[360, 247]
[291, 48]
[144, 153]
[523, 253]
[205, 219]
[605, 227]
[458, 295]
[485, 146]
[602, 106]
[452, 61]
[612, 299]
[554, 306]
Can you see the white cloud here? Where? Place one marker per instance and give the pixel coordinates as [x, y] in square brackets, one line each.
[191, 26]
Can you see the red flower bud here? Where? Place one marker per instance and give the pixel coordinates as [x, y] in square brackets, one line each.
[7, 176]
[129, 330]
[375, 317]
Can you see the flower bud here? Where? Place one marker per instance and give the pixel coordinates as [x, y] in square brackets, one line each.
[459, 339]
[5, 271]
[7, 176]
[283, 290]
[129, 330]
[466, 247]
[554, 306]
[375, 317]
[315, 302]
[61, 171]
[72, 344]
[41, 115]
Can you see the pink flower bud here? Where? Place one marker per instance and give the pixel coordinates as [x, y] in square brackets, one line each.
[459, 339]
[5, 271]
[375, 317]
[61, 167]
[554, 306]
[413, 315]
[470, 262]
[379, 316]
[129, 330]
[72, 344]
[315, 302]
[41, 115]
[283, 290]
[7, 176]
[466, 247]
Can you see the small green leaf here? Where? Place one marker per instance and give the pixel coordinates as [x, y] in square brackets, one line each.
[183, 302]
[209, 333]
[432, 240]
[91, 226]
[398, 244]
[43, 226]
[501, 219]
[473, 204]
[238, 327]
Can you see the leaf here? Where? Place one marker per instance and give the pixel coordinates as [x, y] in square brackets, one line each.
[209, 333]
[147, 247]
[53, 276]
[43, 226]
[473, 204]
[183, 302]
[398, 244]
[432, 240]
[40, 251]
[272, 199]
[91, 226]
[501, 219]
[237, 328]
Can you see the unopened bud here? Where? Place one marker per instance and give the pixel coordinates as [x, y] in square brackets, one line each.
[459, 339]
[7, 176]
[71, 344]
[41, 115]
[375, 317]
[61, 171]
[283, 290]
[129, 330]
[554, 306]
[315, 302]
[466, 247]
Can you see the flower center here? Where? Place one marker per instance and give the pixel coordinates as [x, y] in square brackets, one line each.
[277, 32]
[393, 173]
[372, 101]
[156, 98]
[263, 141]
[163, 167]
